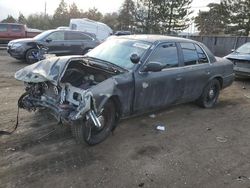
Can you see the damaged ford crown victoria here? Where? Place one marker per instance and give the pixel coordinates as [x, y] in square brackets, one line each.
[123, 76]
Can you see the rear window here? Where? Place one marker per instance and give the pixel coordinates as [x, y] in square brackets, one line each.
[3, 27]
[16, 28]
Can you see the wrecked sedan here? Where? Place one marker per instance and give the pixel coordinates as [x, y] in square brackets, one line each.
[241, 60]
[124, 76]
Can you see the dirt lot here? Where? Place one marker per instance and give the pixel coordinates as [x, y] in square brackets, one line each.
[200, 147]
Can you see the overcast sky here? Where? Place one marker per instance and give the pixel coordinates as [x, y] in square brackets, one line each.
[13, 7]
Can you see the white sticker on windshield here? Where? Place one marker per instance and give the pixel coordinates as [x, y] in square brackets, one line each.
[141, 45]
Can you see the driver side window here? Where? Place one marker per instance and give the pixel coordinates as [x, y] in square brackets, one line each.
[56, 36]
[166, 54]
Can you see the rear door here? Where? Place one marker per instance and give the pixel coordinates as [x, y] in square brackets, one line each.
[157, 89]
[77, 42]
[196, 70]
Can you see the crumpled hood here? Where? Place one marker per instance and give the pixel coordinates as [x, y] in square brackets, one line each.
[45, 70]
[238, 56]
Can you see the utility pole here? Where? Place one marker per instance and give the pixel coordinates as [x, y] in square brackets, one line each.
[45, 9]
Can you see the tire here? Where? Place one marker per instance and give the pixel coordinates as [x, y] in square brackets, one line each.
[28, 56]
[210, 94]
[85, 132]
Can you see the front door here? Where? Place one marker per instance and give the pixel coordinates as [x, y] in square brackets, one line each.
[56, 43]
[157, 89]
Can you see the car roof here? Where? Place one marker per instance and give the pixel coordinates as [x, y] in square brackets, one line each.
[74, 31]
[156, 38]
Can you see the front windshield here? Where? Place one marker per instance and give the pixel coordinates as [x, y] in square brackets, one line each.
[244, 49]
[118, 51]
[42, 35]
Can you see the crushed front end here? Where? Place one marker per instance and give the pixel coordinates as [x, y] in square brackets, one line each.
[63, 87]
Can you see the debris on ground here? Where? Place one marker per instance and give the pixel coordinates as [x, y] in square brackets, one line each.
[152, 115]
[209, 129]
[247, 96]
[141, 185]
[221, 139]
[11, 149]
[242, 178]
[243, 87]
[160, 127]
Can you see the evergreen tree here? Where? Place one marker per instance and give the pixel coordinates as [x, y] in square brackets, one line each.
[214, 21]
[74, 12]
[239, 16]
[40, 21]
[163, 16]
[9, 19]
[173, 15]
[94, 14]
[127, 15]
[21, 19]
[61, 15]
[111, 19]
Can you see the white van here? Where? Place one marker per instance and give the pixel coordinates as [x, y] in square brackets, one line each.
[101, 30]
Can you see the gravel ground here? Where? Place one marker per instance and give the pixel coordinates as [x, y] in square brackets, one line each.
[199, 148]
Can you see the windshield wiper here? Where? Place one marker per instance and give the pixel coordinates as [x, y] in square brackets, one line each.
[112, 66]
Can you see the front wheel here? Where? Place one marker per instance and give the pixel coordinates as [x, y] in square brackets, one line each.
[31, 56]
[210, 94]
[85, 131]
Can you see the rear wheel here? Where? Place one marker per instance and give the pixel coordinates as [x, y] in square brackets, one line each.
[210, 94]
[31, 56]
[85, 131]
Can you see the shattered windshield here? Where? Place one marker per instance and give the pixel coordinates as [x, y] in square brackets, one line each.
[118, 51]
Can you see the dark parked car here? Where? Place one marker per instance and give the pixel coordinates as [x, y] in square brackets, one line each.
[59, 42]
[123, 76]
[241, 59]
[120, 33]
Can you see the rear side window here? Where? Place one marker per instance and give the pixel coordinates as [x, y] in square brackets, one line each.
[76, 36]
[3, 27]
[56, 36]
[189, 53]
[16, 28]
[202, 57]
[193, 54]
[166, 54]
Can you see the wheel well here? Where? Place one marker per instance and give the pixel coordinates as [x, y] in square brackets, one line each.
[27, 51]
[220, 80]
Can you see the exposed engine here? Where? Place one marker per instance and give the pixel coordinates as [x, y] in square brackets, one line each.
[70, 98]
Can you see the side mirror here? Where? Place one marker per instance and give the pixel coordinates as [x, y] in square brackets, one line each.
[48, 40]
[134, 58]
[232, 50]
[152, 66]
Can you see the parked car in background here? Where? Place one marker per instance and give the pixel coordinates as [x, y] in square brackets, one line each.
[124, 76]
[58, 42]
[241, 59]
[101, 30]
[119, 33]
[10, 31]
